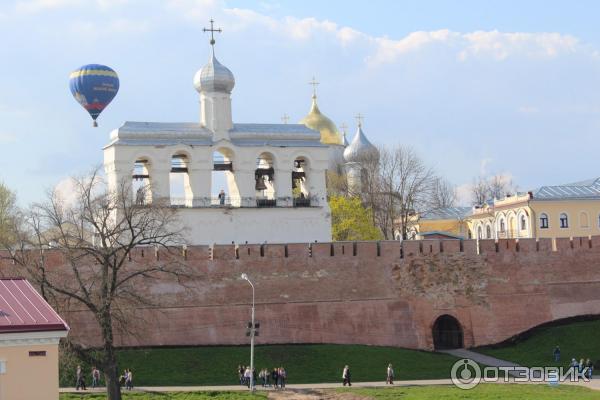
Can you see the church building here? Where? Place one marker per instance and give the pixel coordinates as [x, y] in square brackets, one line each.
[274, 175]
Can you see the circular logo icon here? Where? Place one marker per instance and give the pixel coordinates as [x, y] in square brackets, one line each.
[465, 374]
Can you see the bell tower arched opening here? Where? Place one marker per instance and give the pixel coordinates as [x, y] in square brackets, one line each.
[179, 181]
[300, 183]
[140, 181]
[224, 188]
[264, 177]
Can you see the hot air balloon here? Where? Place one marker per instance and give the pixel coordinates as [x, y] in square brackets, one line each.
[94, 86]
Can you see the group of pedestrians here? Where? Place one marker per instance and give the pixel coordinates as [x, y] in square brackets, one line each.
[578, 366]
[245, 375]
[126, 379]
[347, 376]
[80, 378]
[276, 378]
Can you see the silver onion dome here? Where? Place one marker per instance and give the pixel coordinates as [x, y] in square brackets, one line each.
[214, 77]
[360, 149]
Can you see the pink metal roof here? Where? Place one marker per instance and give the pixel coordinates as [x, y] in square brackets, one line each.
[23, 309]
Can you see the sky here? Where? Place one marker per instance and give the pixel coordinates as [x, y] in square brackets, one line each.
[476, 88]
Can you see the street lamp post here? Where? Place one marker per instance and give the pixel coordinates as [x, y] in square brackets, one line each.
[245, 277]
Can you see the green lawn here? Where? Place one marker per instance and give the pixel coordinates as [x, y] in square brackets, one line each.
[217, 365]
[171, 396]
[576, 340]
[482, 392]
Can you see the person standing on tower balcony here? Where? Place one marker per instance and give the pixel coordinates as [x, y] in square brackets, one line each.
[222, 197]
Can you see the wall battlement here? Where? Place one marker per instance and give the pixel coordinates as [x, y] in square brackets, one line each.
[367, 249]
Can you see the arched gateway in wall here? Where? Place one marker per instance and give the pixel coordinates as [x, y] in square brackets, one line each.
[447, 333]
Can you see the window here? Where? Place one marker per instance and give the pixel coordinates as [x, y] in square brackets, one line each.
[479, 233]
[488, 232]
[564, 220]
[584, 220]
[523, 223]
[544, 221]
[502, 225]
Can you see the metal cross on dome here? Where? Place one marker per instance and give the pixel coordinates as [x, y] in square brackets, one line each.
[314, 84]
[212, 31]
[343, 127]
[285, 118]
[359, 117]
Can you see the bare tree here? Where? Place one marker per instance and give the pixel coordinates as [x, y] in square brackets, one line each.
[94, 237]
[493, 187]
[479, 191]
[405, 185]
[500, 186]
[443, 194]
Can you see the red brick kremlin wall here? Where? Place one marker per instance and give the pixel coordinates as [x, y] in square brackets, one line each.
[386, 293]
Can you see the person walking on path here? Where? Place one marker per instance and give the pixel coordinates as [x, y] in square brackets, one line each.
[95, 377]
[240, 371]
[283, 376]
[80, 382]
[390, 375]
[248, 376]
[556, 354]
[346, 376]
[129, 380]
[275, 377]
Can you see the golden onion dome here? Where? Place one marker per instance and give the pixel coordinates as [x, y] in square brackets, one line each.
[319, 122]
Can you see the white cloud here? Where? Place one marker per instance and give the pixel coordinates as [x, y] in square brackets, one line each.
[484, 165]
[37, 6]
[464, 196]
[500, 45]
[69, 192]
[120, 26]
[493, 45]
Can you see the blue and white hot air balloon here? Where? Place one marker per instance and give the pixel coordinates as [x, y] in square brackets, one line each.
[94, 86]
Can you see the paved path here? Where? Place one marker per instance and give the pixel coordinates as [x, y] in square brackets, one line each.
[303, 388]
[481, 358]
[236, 388]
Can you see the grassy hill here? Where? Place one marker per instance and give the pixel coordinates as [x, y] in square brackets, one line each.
[216, 365]
[576, 340]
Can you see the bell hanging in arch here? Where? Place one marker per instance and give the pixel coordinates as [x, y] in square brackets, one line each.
[260, 184]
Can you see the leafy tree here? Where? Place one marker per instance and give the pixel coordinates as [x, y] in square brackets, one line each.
[351, 221]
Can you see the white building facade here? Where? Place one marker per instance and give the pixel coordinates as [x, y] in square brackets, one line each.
[275, 173]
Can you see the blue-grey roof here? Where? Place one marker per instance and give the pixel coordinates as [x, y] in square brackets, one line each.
[584, 190]
[447, 213]
[442, 233]
[191, 133]
[275, 135]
